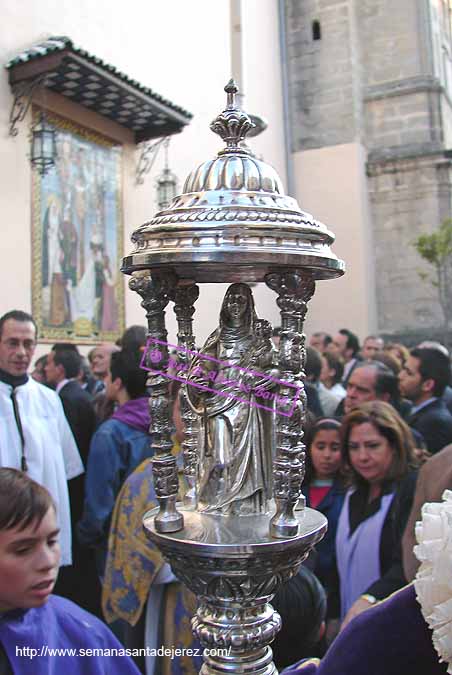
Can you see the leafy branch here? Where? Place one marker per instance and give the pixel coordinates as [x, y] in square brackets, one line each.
[436, 249]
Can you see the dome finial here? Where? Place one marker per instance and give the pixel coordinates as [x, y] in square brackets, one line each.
[231, 89]
[232, 124]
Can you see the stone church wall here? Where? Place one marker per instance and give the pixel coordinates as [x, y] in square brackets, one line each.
[408, 198]
[374, 77]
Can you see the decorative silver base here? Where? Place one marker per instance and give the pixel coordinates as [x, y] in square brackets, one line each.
[234, 566]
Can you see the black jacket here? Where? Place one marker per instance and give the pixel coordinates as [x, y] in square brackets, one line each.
[434, 422]
[392, 576]
[79, 411]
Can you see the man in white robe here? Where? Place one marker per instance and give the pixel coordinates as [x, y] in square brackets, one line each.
[34, 433]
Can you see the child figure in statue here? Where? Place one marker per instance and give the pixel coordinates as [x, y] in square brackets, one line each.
[237, 367]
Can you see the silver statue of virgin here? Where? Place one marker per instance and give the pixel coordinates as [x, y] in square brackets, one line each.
[236, 432]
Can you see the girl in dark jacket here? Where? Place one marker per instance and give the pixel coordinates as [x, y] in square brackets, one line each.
[324, 491]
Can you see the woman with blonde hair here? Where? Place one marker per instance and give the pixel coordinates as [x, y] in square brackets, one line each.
[378, 449]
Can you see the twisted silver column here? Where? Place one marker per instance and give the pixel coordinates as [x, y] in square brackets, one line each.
[295, 288]
[184, 300]
[156, 291]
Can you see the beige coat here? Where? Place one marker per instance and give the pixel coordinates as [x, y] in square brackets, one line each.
[434, 477]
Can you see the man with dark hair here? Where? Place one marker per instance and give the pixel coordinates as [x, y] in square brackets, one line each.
[362, 386]
[119, 445]
[65, 346]
[372, 381]
[423, 380]
[34, 433]
[67, 363]
[346, 345]
[133, 338]
[320, 341]
[372, 346]
[21, 317]
[447, 395]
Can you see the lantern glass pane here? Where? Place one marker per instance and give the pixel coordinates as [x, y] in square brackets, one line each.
[37, 145]
[47, 144]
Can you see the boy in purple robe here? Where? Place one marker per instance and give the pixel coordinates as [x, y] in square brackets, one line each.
[40, 633]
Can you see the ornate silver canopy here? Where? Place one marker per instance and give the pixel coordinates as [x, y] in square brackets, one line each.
[238, 533]
[233, 221]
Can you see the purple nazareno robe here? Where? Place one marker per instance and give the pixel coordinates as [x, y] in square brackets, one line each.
[390, 638]
[29, 636]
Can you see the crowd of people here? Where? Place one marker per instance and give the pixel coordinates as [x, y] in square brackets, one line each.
[75, 474]
[378, 453]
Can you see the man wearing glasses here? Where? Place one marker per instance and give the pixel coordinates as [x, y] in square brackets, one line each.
[34, 434]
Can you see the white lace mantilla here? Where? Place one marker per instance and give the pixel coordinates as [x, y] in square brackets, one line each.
[433, 581]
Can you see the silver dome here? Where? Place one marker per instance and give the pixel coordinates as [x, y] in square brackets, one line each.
[233, 221]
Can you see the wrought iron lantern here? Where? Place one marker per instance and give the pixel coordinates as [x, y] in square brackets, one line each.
[166, 183]
[43, 151]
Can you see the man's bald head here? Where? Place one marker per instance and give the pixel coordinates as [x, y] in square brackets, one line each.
[100, 359]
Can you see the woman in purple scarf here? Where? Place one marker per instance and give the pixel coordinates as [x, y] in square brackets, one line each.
[378, 448]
